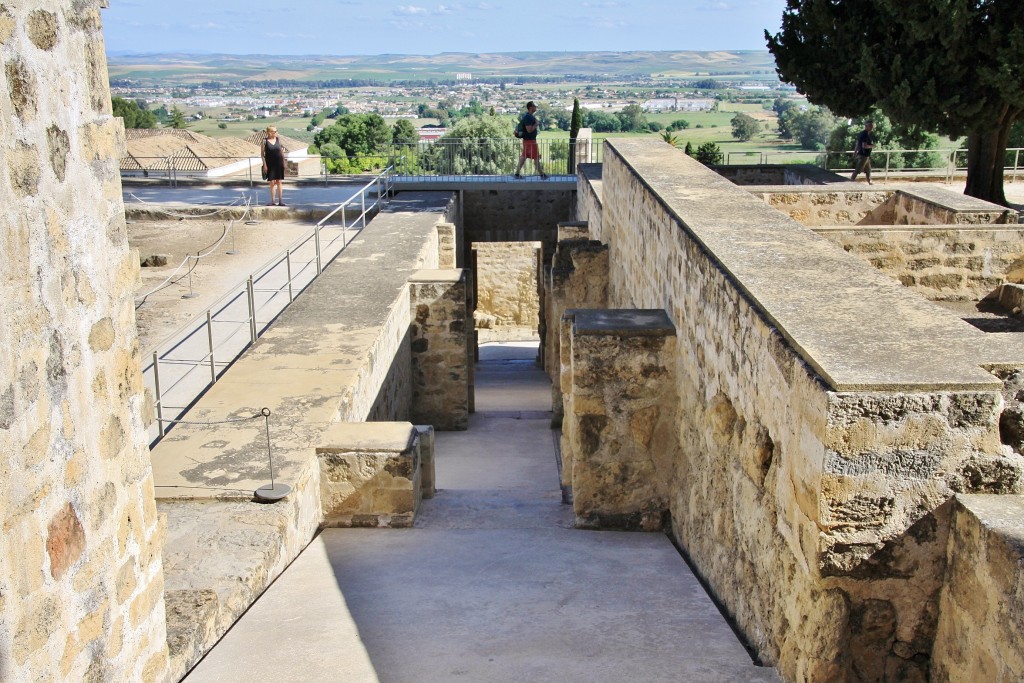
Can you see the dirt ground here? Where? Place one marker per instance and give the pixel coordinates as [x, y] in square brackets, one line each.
[166, 310]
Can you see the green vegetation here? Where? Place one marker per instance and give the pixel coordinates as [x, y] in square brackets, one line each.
[745, 127]
[708, 154]
[948, 67]
[134, 113]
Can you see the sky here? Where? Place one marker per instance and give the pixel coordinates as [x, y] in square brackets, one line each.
[371, 27]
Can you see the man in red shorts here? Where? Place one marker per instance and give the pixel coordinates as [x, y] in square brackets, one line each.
[529, 127]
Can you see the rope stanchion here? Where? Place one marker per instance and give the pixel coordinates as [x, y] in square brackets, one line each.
[268, 493]
[174, 214]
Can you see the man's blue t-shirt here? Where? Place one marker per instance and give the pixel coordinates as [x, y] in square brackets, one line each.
[529, 120]
[864, 139]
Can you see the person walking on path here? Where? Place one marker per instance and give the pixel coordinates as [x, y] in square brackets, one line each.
[862, 152]
[530, 128]
[272, 152]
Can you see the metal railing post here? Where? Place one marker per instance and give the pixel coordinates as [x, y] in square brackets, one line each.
[316, 241]
[1016, 162]
[158, 399]
[209, 337]
[885, 175]
[252, 309]
[362, 206]
[288, 266]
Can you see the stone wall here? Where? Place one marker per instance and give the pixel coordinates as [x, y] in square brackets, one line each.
[507, 298]
[947, 262]
[767, 174]
[81, 581]
[818, 453]
[981, 622]
[514, 215]
[814, 206]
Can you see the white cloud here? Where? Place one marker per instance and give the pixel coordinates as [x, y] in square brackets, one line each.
[410, 10]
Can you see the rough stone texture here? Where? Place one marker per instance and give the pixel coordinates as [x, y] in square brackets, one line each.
[833, 205]
[767, 174]
[506, 284]
[954, 261]
[817, 455]
[427, 479]
[1011, 297]
[981, 622]
[447, 245]
[370, 474]
[577, 278]
[81, 582]
[440, 349]
[618, 431]
[514, 215]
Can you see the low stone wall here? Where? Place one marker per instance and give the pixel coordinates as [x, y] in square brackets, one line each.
[800, 174]
[816, 452]
[514, 215]
[981, 622]
[948, 262]
[894, 204]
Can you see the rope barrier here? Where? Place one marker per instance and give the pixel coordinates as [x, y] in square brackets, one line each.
[174, 214]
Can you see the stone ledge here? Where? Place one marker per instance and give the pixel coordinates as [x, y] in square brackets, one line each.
[621, 322]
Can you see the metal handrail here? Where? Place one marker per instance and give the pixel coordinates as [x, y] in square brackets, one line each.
[219, 355]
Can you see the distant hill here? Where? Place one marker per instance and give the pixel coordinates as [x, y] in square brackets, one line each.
[187, 69]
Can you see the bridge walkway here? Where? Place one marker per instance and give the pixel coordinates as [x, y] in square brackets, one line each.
[492, 583]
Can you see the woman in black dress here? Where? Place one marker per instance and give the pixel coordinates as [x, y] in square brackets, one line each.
[273, 164]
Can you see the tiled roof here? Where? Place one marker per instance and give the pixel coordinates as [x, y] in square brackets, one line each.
[154, 153]
[290, 144]
[143, 133]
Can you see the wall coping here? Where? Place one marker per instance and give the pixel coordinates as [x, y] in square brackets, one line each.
[621, 322]
[304, 368]
[858, 329]
[364, 437]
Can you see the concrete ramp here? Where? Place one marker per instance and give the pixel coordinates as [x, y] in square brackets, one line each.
[493, 583]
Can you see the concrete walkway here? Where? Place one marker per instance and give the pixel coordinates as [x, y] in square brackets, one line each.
[492, 584]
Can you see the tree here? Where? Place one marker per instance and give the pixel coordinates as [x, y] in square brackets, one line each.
[575, 123]
[745, 127]
[810, 127]
[632, 118]
[177, 119]
[133, 114]
[688, 149]
[888, 136]
[679, 124]
[708, 154]
[943, 66]
[404, 133]
[476, 145]
[222, 125]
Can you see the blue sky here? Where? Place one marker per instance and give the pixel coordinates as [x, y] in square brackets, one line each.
[369, 27]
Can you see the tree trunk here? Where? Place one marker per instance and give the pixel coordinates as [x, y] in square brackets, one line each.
[986, 157]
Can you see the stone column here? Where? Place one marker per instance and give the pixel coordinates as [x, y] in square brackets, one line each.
[620, 416]
[440, 352]
[81, 577]
[447, 247]
[578, 279]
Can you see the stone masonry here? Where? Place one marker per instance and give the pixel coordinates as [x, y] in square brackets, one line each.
[81, 579]
[440, 348]
[818, 454]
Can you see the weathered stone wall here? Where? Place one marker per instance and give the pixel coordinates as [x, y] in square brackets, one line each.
[507, 295]
[818, 453]
[935, 206]
[981, 622]
[947, 262]
[777, 175]
[440, 348]
[813, 206]
[619, 417]
[514, 215]
[81, 581]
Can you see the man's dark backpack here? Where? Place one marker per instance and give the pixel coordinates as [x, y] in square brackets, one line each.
[520, 130]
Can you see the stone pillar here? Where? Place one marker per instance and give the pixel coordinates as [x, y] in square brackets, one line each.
[578, 279]
[427, 479]
[620, 416]
[440, 349]
[81, 578]
[447, 246]
[370, 474]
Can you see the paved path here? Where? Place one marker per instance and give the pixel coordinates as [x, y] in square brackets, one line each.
[492, 584]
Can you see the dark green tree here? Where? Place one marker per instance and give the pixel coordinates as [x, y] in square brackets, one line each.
[134, 115]
[404, 133]
[475, 145]
[745, 127]
[177, 119]
[575, 123]
[949, 66]
[632, 118]
[688, 149]
[708, 154]
[810, 127]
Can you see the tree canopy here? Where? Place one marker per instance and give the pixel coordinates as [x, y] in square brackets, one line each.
[745, 127]
[134, 114]
[950, 66]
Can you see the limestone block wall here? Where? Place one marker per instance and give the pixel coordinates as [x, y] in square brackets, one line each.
[814, 206]
[80, 550]
[439, 334]
[948, 262]
[817, 453]
[507, 295]
[981, 622]
[619, 417]
[928, 206]
[778, 175]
